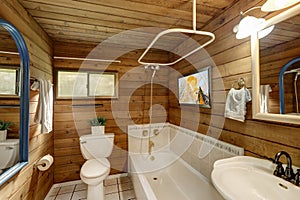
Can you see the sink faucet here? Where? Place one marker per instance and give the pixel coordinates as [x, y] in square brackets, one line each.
[288, 174]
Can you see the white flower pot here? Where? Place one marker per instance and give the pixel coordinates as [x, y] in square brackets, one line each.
[98, 130]
[3, 134]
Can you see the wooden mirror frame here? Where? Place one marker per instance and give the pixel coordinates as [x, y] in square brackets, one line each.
[24, 101]
[256, 114]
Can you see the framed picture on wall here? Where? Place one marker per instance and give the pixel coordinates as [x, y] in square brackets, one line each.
[195, 89]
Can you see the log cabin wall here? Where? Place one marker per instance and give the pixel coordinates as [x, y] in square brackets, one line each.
[30, 183]
[70, 122]
[230, 60]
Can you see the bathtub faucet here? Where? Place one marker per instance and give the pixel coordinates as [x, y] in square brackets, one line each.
[150, 146]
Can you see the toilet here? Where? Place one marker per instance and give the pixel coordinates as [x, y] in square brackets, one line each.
[9, 153]
[95, 149]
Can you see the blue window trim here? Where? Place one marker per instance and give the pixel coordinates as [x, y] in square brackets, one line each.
[24, 101]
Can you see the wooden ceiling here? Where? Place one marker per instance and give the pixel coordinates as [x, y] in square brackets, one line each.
[93, 21]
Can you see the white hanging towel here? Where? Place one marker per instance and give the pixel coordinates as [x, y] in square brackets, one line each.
[264, 98]
[235, 107]
[44, 114]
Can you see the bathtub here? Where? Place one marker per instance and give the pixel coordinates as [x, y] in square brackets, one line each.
[165, 176]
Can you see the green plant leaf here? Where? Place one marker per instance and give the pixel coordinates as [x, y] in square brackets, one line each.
[5, 125]
[98, 121]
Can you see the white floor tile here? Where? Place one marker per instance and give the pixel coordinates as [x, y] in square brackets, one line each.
[50, 198]
[79, 195]
[66, 196]
[125, 179]
[128, 194]
[125, 186]
[54, 191]
[81, 186]
[110, 182]
[113, 196]
[66, 189]
[110, 189]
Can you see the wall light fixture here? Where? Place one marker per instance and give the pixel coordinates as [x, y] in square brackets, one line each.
[249, 24]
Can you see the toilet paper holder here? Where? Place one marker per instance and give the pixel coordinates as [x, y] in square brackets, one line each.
[44, 163]
[40, 164]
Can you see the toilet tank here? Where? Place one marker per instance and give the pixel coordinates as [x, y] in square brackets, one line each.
[9, 153]
[96, 146]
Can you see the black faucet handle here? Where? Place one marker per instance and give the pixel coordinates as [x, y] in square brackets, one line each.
[289, 173]
[279, 171]
[297, 177]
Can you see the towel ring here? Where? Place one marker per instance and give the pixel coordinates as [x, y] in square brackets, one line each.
[239, 83]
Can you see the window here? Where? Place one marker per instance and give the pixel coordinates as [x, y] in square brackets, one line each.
[9, 81]
[84, 84]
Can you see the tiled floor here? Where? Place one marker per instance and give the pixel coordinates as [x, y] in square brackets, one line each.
[120, 188]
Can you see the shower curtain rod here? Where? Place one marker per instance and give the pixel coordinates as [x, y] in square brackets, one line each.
[86, 59]
[10, 52]
[68, 58]
[292, 71]
[180, 30]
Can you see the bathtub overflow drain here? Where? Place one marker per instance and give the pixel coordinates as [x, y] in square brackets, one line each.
[155, 178]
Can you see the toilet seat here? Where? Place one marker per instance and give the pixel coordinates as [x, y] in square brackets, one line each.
[95, 169]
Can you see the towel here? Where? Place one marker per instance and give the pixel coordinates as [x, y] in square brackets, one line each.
[235, 107]
[44, 114]
[264, 98]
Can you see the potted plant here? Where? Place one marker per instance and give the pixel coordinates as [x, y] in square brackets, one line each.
[4, 126]
[98, 125]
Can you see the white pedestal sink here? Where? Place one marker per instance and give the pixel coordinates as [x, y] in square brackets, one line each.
[249, 178]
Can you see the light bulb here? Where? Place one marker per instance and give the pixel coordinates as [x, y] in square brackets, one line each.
[247, 26]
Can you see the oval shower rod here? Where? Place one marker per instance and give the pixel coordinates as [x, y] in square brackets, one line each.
[179, 30]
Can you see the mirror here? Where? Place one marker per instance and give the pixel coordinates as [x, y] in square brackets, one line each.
[14, 100]
[9, 67]
[275, 69]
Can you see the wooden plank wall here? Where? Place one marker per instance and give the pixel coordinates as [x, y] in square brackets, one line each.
[230, 60]
[72, 122]
[30, 183]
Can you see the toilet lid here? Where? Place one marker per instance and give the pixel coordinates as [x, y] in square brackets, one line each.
[95, 167]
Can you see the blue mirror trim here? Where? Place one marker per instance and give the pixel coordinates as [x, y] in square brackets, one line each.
[281, 82]
[24, 100]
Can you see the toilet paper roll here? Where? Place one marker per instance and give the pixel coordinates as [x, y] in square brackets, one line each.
[45, 162]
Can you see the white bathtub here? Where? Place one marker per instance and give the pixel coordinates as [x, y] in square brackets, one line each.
[167, 177]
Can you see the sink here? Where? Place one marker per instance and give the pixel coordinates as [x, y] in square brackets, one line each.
[245, 177]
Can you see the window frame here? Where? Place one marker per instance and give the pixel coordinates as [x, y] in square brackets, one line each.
[17, 83]
[88, 72]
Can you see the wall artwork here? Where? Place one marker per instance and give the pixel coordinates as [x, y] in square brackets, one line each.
[195, 89]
